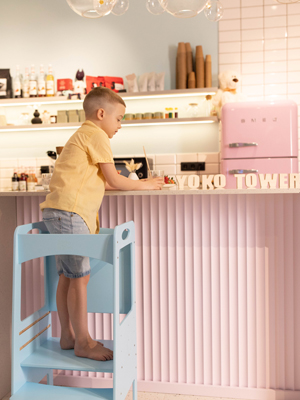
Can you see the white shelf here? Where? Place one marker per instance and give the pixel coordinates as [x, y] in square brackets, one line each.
[134, 123]
[170, 121]
[126, 96]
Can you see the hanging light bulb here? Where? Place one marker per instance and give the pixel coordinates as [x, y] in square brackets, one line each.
[120, 7]
[213, 10]
[103, 7]
[154, 7]
[84, 8]
[184, 8]
[287, 1]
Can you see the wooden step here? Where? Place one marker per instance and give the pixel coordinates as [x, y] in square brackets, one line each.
[50, 355]
[37, 391]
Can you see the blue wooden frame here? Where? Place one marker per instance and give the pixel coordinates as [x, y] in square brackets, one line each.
[111, 289]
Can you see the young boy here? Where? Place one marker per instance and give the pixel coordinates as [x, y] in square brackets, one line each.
[82, 172]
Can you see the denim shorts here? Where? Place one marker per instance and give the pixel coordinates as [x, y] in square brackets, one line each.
[64, 222]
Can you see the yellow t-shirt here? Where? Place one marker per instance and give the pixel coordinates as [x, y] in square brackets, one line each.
[77, 184]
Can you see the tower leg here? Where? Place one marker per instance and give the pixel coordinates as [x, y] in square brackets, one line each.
[134, 390]
[50, 378]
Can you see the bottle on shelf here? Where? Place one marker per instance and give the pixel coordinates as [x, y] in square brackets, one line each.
[41, 82]
[22, 182]
[176, 112]
[15, 182]
[17, 83]
[25, 85]
[50, 82]
[32, 82]
[31, 182]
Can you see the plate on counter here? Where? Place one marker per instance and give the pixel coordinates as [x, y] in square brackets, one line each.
[166, 185]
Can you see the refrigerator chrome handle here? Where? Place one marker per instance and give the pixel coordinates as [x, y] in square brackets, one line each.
[243, 171]
[243, 144]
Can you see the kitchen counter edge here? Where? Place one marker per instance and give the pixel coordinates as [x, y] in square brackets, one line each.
[168, 192]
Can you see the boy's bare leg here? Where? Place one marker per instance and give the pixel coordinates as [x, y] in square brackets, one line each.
[67, 340]
[85, 346]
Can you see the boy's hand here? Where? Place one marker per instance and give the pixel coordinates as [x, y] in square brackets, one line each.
[120, 182]
[153, 183]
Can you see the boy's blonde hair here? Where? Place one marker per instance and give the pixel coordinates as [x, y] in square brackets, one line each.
[99, 97]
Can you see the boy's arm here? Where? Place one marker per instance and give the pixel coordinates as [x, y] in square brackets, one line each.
[119, 182]
[108, 187]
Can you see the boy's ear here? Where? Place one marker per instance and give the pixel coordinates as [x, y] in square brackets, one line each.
[100, 114]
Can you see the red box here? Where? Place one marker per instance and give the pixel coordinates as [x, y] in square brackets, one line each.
[93, 81]
[64, 84]
[114, 83]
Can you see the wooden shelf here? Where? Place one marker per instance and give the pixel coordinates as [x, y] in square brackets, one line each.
[126, 96]
[137, 122]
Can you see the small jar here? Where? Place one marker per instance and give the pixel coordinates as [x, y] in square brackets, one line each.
[158, 115]
[193, 110]
[129, 117]
[53, 119]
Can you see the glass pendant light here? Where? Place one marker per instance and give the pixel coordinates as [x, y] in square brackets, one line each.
[104, 7]
[154, 7]
[84, 8]
[184, 8]
[120, 7]
[213, 10]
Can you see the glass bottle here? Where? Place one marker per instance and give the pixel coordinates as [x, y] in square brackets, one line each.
[41, 82]
[208, 105]
[50, 82]
[32, 82]
[15, 182]
[25, 91]
[17, 83]
[30, 183]
[22, 183]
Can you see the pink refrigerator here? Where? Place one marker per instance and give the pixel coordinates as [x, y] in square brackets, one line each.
[259, 138]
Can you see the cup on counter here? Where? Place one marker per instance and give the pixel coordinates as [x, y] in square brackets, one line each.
[156, 173]
[46, 181]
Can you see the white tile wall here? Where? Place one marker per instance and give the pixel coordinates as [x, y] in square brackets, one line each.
[169, 163]
[211, 160]
[260, 39]
[10, 165]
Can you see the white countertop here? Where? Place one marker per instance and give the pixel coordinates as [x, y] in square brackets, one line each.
[165, 191]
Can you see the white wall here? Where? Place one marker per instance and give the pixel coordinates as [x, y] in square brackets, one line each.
[48, 31]
[261, 40]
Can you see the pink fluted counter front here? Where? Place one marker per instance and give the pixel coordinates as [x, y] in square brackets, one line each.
[217, 280]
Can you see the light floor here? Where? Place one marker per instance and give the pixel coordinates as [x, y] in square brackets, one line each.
[160, 396]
